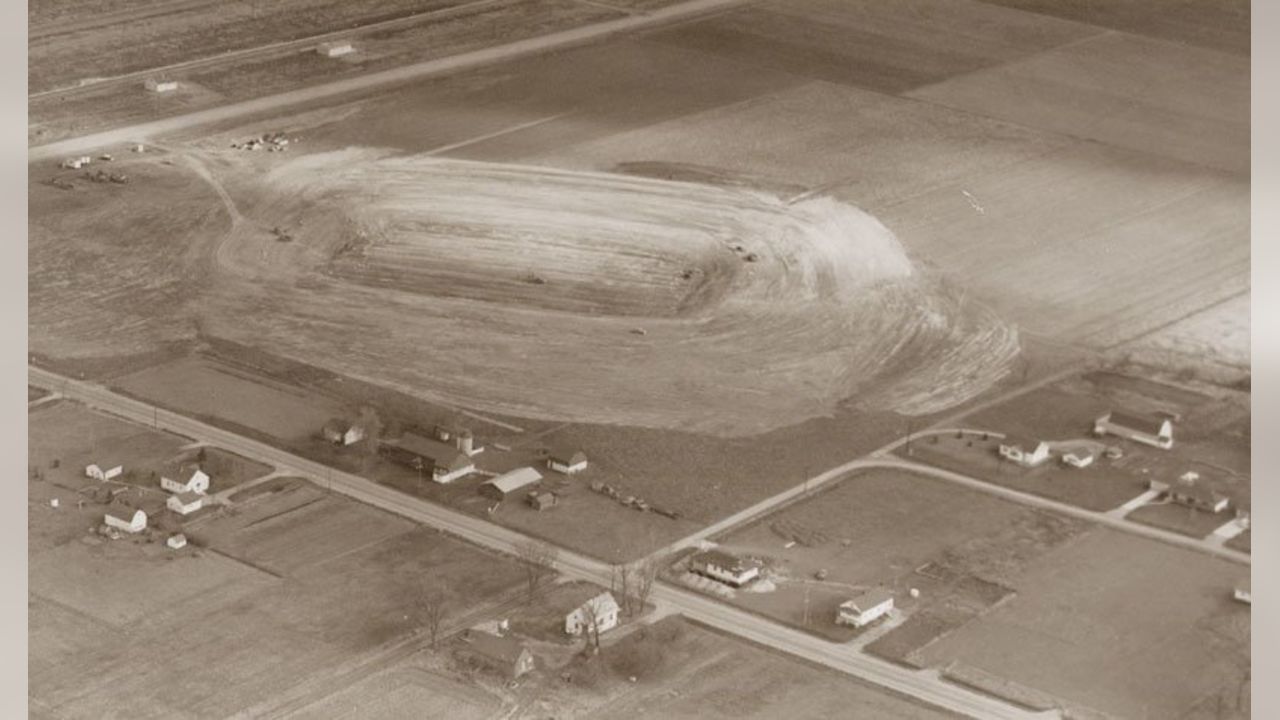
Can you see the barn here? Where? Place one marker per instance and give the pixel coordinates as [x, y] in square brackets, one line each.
[1146, 429]
[567, 461]
[502, 486]
[445, 463]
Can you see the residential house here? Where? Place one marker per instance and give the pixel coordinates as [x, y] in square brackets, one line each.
[720, 565]
[185, 478]
[342, 432]
[185, 503]
[1146, 429]
[865, 608]
[444, 462]
[500, 487]
[542, 500]
[503, 653]
[598, 614]
[105, 471]
[1025, 452]
[1189, 491]
[567, 461]
[122, 519]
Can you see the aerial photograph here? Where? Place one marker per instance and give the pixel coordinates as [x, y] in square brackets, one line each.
[611, 359]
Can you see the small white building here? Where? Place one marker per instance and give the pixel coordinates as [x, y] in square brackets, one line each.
[567, 461]
[157, 85]
[728, 569]
[122, 519]
[1243, 592]
[1145, 429]
[1027, 453]
[104, 472]
[187, 478]
[176, 541]
[598, 614]
[342, 432]
[865, 608]
[337, 48]
[1078, 458]
[185, 503]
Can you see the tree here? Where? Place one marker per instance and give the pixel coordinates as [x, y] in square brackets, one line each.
[646, 576]
[373, 431]
[202, 455]
[591, 627]
[621, 586]
[539, 560]
[431, 609]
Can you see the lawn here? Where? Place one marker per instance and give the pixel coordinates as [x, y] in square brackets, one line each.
[1241, 542]
[1117, 623]
[1183, 520]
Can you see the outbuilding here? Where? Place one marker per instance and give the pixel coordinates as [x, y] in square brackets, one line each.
[105, 471]
[1243, 592]
[502, 486]
[177, 541]
[566, 461]
[337, 48]
[185, 478]
[542, 500]
[122, 519]
[865, 609]
[720, 565]
[185, 503]
[1146, 429]
[342, 432]
[158, 85]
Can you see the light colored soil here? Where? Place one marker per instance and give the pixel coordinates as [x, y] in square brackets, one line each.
[1118, 623]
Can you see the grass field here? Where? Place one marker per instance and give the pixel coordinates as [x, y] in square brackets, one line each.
[1192, 523]
[1124, 625]
[403, 692]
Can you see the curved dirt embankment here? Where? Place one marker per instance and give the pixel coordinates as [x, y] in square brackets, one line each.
[592, 297]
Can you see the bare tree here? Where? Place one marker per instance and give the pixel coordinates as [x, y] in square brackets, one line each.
[646, 575]
[431, 609]
[373, 431]
[539, 560]
[621, 586]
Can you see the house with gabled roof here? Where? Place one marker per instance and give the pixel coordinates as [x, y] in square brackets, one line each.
[185, 478]
[185, 503]
[566, 460]
[598, 614]
[1024, 451]
[1189, 491]
[131, 520]
[865, 608]
[502, 653]
[725, 567]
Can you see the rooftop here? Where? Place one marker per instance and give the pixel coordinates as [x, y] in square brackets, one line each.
[515, 479]
[868, 600]
[500, 648]
[1136, 421]
[439, 453]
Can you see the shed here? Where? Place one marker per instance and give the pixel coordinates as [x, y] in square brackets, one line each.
[507, 483]
[177, 541]
[542, 500]
[567, 461]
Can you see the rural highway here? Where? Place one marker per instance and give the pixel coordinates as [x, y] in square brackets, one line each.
[453, 63]
[922, 685]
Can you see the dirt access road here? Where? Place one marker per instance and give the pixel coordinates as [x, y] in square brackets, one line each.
[401, 74]
[923, 685]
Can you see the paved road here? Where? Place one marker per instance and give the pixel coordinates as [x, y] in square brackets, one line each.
[921, 685]
[438, 66]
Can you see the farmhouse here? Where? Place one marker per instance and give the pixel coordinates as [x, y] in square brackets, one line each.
[338, 48]
[1190, 492]
[720, 565]
[185, 503]
[177, 541]
[567, 461]
[598, 614]
[865, 608]
[106, 471]
[459, 437]
[342, 432]
[1145, 429]
[157, 85]
[502, 486]
[1078, 458]
[542, 500]
[1027, 453]
[122, 519]
[185, 478]
[499, 652]
[444, 462]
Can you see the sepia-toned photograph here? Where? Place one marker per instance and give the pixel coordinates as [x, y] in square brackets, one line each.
[613, 359]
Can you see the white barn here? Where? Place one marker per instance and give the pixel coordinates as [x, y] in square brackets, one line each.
[186, 479]
[122, 519]
[103, 472]
[599, 614]
[865, 608]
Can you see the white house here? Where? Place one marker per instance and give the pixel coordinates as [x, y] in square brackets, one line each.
[122, 519]
[1189, 492]
[337, 48]
[720, 565]
[188, 478]
[598, 614]
[1027, 453]
[865, 608]
[342, 432]
[157, 85]
[185, 503]
[567, 461]
[98, 472]
[1145, 429]
[176, 541]
[1078, 458]
[500, 487]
